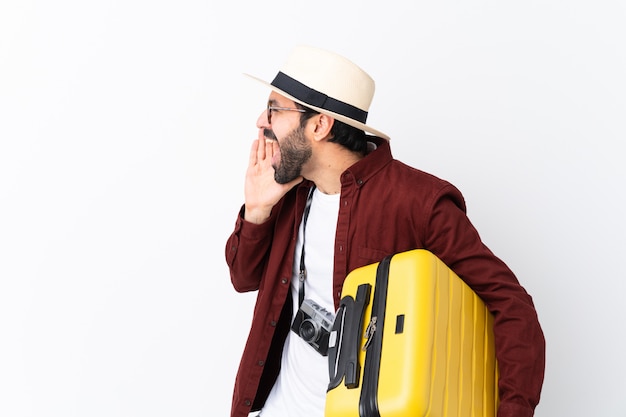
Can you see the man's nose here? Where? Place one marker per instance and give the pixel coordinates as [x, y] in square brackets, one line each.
[262, 122]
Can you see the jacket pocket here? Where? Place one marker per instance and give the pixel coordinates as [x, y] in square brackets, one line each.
[369, 255]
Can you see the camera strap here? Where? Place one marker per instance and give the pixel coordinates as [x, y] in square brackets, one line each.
[302, 273]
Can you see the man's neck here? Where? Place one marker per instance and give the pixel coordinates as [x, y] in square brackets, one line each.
[330, 166]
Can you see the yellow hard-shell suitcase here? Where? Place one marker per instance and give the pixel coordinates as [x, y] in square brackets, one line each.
[411, 339]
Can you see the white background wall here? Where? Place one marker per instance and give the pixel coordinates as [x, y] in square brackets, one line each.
[124, 133]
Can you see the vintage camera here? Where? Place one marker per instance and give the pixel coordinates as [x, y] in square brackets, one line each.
[313, 324]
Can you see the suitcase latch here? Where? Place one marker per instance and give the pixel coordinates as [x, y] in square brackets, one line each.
[369, 332]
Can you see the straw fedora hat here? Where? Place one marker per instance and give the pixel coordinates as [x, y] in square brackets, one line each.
[327, 83]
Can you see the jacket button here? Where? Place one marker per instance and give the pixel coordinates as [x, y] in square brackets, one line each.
[247, 403]
[284, 280]
[273, 323]
[261, 363]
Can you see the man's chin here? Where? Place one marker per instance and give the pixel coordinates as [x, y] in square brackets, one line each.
[282, 178]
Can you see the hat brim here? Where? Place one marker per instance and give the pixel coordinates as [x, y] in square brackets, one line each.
[337, 116]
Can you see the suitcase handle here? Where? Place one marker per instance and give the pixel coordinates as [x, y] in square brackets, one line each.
[343, 352]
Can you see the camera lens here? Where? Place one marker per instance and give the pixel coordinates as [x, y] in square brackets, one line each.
[309, 331]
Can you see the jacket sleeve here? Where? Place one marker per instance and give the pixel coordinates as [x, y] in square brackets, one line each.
[520, 343]
[247, 251]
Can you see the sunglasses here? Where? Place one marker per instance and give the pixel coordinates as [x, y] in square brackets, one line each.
[271, 109]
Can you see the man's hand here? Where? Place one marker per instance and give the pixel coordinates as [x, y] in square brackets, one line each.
[262, 192]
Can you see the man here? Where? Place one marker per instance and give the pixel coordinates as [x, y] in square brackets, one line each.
[324, 196]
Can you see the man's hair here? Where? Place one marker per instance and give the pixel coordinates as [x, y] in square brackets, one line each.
[343, 134]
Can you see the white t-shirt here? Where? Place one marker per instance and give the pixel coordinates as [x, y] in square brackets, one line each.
[300, 389]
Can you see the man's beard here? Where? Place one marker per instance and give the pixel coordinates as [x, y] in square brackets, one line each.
[295, 151]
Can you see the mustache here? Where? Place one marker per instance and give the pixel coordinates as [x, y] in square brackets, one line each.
[268, 133]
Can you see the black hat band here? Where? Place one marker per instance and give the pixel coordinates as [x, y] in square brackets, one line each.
[314, 98]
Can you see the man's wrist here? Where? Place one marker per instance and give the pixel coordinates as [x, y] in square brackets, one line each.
[256, 215]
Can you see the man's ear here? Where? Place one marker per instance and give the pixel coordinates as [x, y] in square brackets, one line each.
[322, 124]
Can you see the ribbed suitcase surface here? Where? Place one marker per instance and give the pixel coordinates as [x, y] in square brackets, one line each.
[431, 354]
